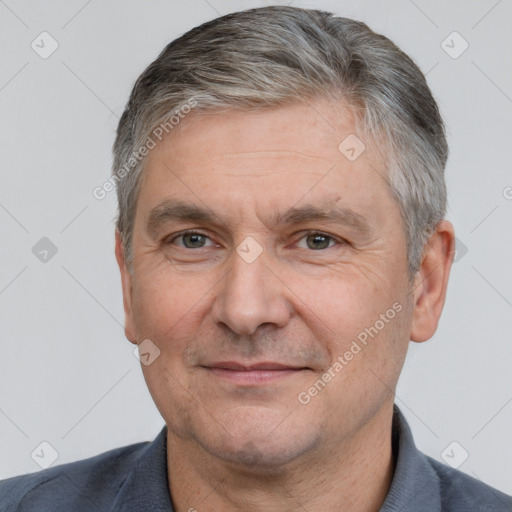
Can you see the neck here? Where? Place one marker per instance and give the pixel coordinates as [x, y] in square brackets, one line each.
[353, 476]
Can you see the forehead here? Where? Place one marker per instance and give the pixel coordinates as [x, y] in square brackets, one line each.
[237, 161]
[308, 132]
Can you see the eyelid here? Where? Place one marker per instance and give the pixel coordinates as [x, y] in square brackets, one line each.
[322, 233]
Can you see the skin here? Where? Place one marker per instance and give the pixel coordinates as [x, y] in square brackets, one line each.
[235, 446]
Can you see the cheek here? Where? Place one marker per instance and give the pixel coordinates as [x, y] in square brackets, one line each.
[166, 310]
[368, 358]
[336, 303]
[164, 303]
[363, 325]
[344, 301]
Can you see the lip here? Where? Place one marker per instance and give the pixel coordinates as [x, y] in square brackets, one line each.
[258, 373]
[264, 365]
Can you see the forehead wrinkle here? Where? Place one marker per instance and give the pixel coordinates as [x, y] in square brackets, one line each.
[261, 163]
[253, 156]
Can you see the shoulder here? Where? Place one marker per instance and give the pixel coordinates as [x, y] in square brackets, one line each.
[462, 492]
[86, 484]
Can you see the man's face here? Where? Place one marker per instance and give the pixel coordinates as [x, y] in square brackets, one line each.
[259, 302]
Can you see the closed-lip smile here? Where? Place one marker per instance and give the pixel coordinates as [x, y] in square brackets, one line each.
[252, 374]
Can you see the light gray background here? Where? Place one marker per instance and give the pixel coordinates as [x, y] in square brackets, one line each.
[69, 377]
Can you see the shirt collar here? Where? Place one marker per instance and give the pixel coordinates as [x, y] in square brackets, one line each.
[146, 487]
[415, 484]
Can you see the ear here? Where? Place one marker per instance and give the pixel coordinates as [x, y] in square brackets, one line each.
[431, 281]
[126, 282]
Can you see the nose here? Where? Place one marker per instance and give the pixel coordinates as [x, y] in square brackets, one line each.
[251, 295]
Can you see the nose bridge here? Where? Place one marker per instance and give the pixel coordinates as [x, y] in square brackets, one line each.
[250, 295]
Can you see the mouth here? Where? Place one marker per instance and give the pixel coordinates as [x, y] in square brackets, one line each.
[254, 374]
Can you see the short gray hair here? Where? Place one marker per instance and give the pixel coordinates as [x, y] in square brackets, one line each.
[271, 56]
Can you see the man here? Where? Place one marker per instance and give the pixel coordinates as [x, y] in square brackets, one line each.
[281, 240]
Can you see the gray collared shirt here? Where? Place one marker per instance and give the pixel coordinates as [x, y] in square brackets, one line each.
[134, 479]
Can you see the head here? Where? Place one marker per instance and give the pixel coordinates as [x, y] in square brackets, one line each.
[306, 153]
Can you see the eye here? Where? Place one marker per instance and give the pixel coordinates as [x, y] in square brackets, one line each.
[191, 240]
[314, 240]
[318, 241]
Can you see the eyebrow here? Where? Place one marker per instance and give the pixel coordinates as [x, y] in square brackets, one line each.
[179, 211]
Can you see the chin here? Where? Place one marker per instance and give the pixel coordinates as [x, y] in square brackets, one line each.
[255, 457]
[261, 440]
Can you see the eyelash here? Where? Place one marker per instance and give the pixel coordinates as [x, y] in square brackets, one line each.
[304, 235]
